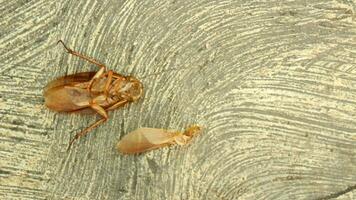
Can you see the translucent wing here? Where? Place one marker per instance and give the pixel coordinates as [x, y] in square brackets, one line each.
[144, 139]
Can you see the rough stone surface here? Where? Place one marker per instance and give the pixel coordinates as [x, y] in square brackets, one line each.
[272, 82]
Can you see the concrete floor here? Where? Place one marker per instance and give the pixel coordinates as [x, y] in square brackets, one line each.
[273, 83]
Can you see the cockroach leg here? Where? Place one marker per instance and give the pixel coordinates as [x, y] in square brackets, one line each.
[85, 131]
[118, 76]
[100, 111]
[96, 76]
[108, 82]
[91, 60]
[68, 49]
[116, 105]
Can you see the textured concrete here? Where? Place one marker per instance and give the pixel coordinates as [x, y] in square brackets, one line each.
[272, 82]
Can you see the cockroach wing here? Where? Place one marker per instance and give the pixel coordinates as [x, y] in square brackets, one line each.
[67, 98]
[69, 80]
[144, 139]
[62, 95]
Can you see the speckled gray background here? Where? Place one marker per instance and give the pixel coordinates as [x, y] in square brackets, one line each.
[272, 82]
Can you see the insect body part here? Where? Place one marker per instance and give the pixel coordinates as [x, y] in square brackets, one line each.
[91, 92]
[145, 139]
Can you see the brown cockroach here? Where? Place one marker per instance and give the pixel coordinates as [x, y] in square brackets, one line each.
[84, 92]
[145, 139]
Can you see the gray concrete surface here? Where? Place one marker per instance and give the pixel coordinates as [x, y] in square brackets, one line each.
[272, 82]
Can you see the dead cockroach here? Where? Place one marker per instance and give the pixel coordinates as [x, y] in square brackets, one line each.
[145, 139]
[100, 91]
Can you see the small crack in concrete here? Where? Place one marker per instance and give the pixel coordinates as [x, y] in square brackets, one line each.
[338, 194]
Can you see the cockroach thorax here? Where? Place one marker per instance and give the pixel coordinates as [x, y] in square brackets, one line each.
[130, 88]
